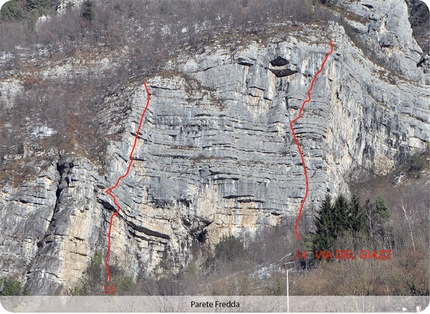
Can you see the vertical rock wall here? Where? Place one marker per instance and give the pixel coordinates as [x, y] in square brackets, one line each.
[216, 156]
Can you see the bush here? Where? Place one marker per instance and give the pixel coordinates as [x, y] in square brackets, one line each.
[329, 3]
[81, 288]
[87, 10]
[229, 249]
[94, 271]
[41, 7]
[10, 287]
[94, 281]
[11, 11]
[417, 162]
[124, 285]
[27, 11]
[91, 283]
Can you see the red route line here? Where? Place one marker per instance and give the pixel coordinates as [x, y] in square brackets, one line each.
[109, 191]
[297, 141]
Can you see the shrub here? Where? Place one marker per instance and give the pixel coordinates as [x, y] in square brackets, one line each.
[11, 11]
[417, 162]
[329, 3]
[91, 283]
[87, 10]
[229, 249]
[10, 287]
[124, 285]
[276, 285]
[27, 12]
[192, 270]
[94, 271]
[81, 288]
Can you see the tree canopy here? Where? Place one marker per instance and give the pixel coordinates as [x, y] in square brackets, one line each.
[341, 218]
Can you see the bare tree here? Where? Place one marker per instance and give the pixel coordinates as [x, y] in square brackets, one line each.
[408, 217]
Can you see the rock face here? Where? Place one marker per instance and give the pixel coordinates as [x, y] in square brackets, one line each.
[215, 155]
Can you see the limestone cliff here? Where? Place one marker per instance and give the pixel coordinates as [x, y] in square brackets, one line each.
[215, 155]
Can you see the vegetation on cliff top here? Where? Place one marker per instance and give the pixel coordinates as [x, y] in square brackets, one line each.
[127, 28]
[129, 33]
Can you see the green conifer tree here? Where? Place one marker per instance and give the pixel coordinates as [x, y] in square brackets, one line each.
[11, 11]
[349, 223]
[381, 209]
[341, 219]
[323, 237]
[358, 215]
[87, 10]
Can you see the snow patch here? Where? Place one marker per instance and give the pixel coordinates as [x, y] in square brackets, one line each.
[43, 131]
[9, 90]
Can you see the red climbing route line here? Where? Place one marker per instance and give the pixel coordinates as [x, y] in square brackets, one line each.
[109, 191]
[297, 141]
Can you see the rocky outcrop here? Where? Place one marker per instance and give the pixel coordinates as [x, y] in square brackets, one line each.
[48, 233]
[215, 155]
